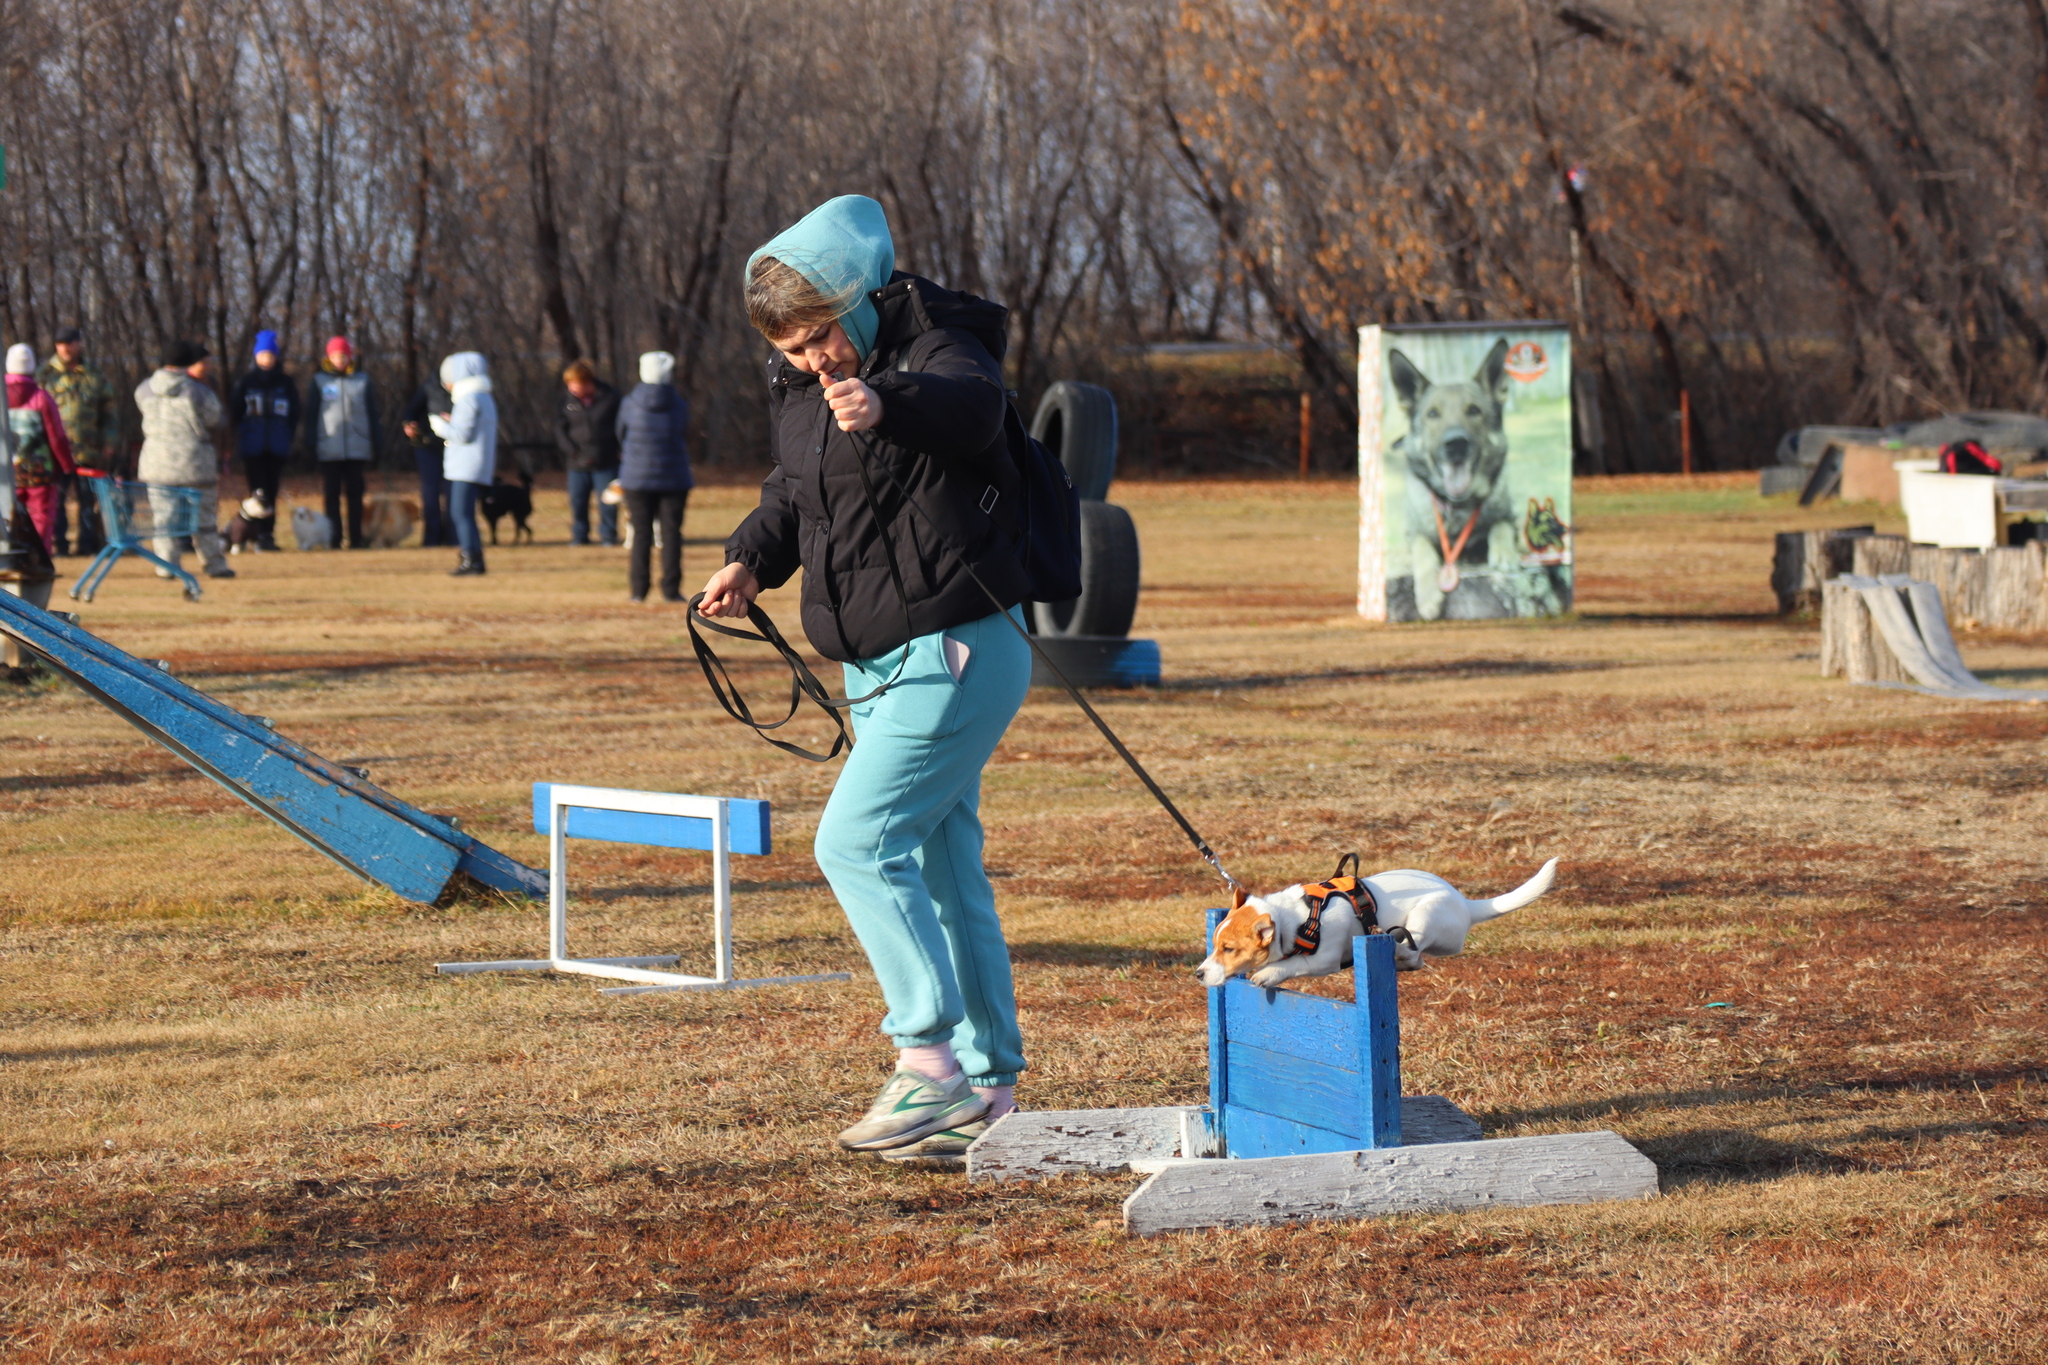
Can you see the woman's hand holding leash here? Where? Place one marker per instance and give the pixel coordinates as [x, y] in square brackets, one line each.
[855, 406]
[731, 592]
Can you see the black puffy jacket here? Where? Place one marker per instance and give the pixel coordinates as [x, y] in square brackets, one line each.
[937, 366]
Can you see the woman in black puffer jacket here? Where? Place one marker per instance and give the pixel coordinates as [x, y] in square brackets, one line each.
[893, 479]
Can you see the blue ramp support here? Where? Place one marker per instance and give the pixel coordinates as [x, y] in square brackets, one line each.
[334, 809]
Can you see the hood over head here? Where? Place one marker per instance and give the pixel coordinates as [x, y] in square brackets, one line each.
[844, 249]
[467, 366]
[21, 358]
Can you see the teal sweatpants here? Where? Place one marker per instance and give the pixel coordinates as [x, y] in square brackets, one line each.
[900, 842]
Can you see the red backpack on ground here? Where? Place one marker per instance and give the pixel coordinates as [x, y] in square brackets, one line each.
[1967, 457]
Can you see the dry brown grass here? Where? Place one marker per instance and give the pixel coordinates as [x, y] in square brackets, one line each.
[1796, 955]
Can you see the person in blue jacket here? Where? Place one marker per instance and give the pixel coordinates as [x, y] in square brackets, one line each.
[469, 458]
[654, 473]
[264, 407]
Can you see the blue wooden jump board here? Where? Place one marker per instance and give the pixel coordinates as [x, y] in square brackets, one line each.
[746, 825]
[1291, 1073]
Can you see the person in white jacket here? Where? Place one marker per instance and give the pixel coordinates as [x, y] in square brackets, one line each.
[470, 459]
[181, 419]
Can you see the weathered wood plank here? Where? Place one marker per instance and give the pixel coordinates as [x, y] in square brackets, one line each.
[1568, 1168]
[1032, 1145]
[1314, 1093]
[1876, 556]
[1290, 1023]
[1379, 1041]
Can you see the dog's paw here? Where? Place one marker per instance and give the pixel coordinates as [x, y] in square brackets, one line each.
[1268, 976]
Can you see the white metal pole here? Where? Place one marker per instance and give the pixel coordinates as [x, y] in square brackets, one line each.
[558, 880]
[721, 888]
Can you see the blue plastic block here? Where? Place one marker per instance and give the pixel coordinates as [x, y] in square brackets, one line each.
[747, 823]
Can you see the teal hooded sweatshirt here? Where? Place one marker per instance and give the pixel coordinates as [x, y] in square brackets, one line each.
[844, 249]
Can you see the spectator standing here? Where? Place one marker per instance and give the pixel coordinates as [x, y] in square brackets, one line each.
[470, 459]
[587, 432]
[42, 454]
[436, 528]
[181, 419]
[654, 473]
[92, 424]
[264, 408]
[341, 427]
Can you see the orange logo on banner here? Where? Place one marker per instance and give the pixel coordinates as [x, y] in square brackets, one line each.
[1527, 362]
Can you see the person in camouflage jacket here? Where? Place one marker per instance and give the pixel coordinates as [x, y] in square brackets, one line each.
[85, 400]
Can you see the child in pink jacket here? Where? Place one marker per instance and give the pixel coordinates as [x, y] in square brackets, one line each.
[42, 453]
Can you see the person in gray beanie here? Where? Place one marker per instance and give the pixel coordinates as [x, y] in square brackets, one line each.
[654, 473]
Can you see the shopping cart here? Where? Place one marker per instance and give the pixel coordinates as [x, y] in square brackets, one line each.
[133, 513]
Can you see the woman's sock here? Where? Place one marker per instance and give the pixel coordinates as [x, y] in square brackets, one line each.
[934, 1062]
[1001, 1100]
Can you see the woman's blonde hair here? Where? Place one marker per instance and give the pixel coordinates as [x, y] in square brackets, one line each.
[580, 372]
[781, 301]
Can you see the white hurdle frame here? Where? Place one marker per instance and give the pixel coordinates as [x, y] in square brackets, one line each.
[635, 969]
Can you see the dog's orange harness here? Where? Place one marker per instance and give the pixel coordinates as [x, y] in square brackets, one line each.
[1309, 937]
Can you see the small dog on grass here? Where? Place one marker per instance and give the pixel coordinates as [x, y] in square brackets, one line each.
[241, 533]
[1306, 930]
[514, 500]
[312, 530]
[391, 520]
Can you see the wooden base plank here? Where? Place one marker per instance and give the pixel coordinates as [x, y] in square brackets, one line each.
[1566, 1168]
[1032, 1145]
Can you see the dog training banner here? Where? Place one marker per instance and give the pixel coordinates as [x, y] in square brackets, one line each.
[1464, 471]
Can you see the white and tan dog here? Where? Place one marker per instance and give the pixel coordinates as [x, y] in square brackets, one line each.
[1424, 914]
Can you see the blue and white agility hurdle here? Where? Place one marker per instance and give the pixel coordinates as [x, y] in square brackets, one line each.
[722, 825]
[1306, 1120]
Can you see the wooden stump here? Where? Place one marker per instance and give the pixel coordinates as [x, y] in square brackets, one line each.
[1876, 556]
[1851, 646]
[1807, 559]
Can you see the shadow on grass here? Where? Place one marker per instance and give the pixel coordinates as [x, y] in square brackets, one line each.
[1057, 954]
[1456, 668]
[1725, 1153]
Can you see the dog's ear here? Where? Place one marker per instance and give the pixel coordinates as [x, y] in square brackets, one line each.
[1238, 896]
[1493, 375]
[1409, 382]
[1264, 932]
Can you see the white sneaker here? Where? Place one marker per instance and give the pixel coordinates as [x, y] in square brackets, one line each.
[911, 1107]
[948, 1148]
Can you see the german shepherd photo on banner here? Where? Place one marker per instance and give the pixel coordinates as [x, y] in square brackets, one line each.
[1476, 440]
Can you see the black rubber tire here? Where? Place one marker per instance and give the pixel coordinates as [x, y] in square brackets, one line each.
[1109, 578]
[1077, 423]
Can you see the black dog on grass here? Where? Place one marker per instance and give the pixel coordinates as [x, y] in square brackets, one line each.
[514, 500]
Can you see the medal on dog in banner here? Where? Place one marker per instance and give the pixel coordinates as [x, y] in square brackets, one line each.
[1447, 578]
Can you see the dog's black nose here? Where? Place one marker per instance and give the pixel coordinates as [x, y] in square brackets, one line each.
[1456, 447]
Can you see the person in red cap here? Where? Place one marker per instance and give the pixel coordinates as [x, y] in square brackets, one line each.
[342, 429]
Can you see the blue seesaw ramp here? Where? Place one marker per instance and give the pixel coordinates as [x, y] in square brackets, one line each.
[334, 809]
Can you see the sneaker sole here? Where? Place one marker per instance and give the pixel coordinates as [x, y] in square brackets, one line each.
[938, 1123]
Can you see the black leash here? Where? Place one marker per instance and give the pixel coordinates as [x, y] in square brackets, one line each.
[804, 683]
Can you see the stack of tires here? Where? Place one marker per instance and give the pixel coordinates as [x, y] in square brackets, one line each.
[1086, 637]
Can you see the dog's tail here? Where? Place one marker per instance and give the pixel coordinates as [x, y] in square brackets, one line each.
[1519, 897]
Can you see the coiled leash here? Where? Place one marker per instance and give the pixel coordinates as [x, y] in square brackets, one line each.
[804, 683]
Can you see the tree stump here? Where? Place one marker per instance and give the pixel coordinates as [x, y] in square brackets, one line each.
[1807, 559]
[1851, 645]
[1876, 556]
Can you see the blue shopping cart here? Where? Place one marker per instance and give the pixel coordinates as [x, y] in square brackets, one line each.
[125, 507]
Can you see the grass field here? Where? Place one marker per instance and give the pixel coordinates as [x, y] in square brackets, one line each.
[1795, 955]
